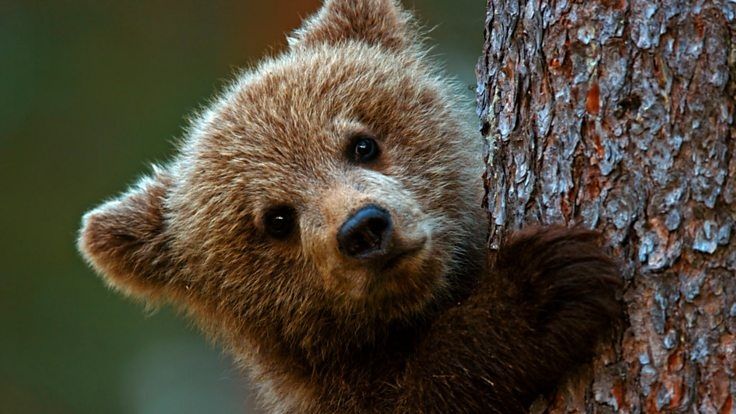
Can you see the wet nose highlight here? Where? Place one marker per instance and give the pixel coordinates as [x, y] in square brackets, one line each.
[366, 234]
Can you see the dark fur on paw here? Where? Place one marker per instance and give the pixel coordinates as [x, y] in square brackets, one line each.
[566, 285]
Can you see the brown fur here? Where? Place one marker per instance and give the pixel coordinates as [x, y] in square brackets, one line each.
[440, 331]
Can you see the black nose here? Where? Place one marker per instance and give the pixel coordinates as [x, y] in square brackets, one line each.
[366, 234]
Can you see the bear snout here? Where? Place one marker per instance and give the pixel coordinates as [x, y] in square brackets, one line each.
[366, 234]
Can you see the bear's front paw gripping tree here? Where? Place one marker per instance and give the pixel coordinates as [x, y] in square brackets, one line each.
[323, 221]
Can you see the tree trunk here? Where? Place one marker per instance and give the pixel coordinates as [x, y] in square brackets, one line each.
[619, 114]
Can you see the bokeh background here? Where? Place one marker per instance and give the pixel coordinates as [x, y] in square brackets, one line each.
[92, 92]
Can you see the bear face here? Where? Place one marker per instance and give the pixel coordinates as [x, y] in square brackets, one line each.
[328, 193]
[278, 143]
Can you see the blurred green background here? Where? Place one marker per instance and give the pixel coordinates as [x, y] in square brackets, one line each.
[92, 92]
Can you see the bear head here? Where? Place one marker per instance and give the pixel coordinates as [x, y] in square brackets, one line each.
[329, 192]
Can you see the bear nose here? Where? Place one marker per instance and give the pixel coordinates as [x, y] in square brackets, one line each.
[366, 234]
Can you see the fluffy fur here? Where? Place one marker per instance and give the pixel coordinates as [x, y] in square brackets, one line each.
[439, 330]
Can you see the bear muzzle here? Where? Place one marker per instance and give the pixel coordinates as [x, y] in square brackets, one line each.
[369, 236]
[366, 234]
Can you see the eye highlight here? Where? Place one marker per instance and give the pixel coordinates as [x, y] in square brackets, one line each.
[363, 149]
[279, 221]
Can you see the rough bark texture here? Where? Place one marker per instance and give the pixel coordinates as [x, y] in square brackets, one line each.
[619, 114]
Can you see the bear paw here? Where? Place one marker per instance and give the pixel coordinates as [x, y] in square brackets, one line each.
[566, 286]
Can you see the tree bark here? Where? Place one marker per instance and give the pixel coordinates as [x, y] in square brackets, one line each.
[619, 115]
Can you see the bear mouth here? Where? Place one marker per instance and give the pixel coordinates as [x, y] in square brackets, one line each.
[400, 255]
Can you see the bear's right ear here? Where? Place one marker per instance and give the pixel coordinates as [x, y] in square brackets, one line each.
[125, 241]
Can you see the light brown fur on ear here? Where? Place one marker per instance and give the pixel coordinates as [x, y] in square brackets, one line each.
[375, 22]
[124, 238]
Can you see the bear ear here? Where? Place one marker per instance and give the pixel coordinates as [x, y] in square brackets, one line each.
[376, 22]
[125, 241]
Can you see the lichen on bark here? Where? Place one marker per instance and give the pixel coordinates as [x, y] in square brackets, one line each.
[619, 115]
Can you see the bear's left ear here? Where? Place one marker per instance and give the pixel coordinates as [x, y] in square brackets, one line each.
[376, 22]
[125, 239]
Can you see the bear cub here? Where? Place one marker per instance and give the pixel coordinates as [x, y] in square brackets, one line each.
[322, 221]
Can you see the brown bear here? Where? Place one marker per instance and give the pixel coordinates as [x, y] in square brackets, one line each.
[322, 221]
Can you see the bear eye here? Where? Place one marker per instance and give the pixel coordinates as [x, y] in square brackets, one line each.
[363, 149]
[279, 221]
